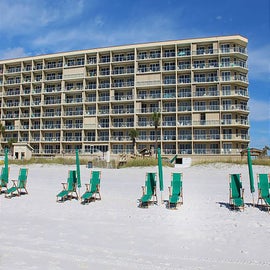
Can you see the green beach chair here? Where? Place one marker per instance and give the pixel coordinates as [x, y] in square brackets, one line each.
[263, 190]
[149, 190]
[176, 191]
[69, 188]
[236, 192]
[4, 178]
[92, 189]
[18, 185]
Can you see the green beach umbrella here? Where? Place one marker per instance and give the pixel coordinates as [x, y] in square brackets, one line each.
[78, 169]
[5, 176]
[6, 159]
[160, 171]
[250, 170]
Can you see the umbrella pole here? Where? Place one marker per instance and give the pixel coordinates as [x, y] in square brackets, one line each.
[253, 199]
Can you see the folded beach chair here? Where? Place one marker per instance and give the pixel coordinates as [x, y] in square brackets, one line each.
[149, 190]
[69, 188]
[4, 178]
[263, 190]
[176, 191]
[92, 189]
[18, 185]
[236, 192]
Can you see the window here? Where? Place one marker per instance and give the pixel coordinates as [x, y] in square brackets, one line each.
[70, 62]
[225, 61]
[200, 91]
[184, 79]
[200, 50]
[184, 65]
[227, 104]
[184, 92]
[183, 51]
[169, 53]
[226, 90]
[226, 76]
[213, 63]
[214, 105]
[199, 64]
[225, 48]
[154, 67]
[169, 66]
[142, 55]
[92, 60]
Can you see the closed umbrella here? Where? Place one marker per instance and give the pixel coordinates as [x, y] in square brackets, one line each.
[250, 170]
[78, 169]
[5, 176]
[160, 172]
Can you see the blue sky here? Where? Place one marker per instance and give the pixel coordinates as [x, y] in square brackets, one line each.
[32, 27]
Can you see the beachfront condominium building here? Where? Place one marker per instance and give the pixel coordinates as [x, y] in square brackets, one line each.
[92, 99]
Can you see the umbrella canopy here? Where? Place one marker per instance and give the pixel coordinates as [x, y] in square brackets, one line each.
[6, 159]
[160, 170]
[251, 178]
[78, 169]
[5, 169]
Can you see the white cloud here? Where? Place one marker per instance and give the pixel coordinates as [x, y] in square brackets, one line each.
[99, 21]
[27, 16]
[259, 63]
[13, 53]
[260, 110]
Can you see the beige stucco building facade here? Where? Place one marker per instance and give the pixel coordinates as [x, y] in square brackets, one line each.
[91, 99]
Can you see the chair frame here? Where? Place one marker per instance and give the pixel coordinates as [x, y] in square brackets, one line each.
[181, 199]
[1, 181]
[153, 199]
[69, 195]
[232, 204]
[97, 192]
[16, 184]
[260, 198]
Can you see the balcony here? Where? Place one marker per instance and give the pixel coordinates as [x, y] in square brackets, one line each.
[51, 139]
[122, 124]
[51, 126]
[149, 96]
[120, 138]
[169, 123]
[73, 126]
[122, 71]
[72, 138]
[123, 111]
[73, 113]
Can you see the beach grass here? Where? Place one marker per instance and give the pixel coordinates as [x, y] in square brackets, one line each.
[140, 162]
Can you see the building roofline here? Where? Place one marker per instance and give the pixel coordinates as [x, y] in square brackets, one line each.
[186, 40]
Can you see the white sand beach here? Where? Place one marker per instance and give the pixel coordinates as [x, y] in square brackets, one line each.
[36, 232]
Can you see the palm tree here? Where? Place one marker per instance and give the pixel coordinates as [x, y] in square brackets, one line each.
[156, 122]
[133, 134]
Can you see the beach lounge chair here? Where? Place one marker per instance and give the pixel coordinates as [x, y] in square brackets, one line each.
[4, 178]
[175, 191]
[263, 190]
[18, 185]
[149, 190]
[92, 189]
[69, 188]
[236, 192]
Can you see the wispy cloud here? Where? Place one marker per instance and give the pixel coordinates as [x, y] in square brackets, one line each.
[260, 110]
[12, 53]
[259, 63]
[27, 16]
